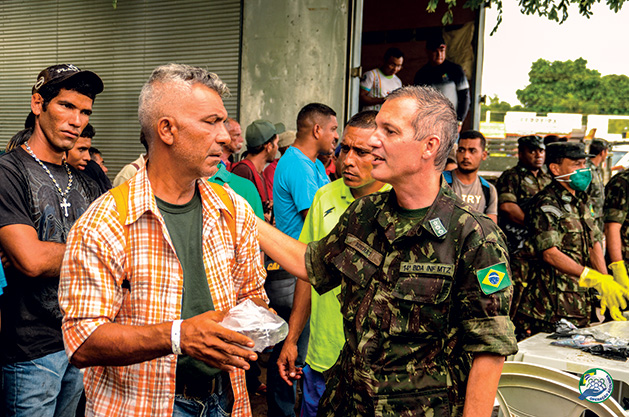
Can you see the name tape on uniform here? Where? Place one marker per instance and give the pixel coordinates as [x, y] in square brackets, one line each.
[427, 268]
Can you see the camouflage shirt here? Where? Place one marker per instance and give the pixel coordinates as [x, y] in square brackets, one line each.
[413, 305]
[596, 190]
[617, 207]
[518, 185]
[559, 219]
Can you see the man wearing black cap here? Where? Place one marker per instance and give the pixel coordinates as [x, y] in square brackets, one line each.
[563, 234]
[516, 186]
[262, 145]
[41, 196]
[445, 76]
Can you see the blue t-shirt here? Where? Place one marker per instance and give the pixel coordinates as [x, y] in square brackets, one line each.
[3, 280]
[296, 181]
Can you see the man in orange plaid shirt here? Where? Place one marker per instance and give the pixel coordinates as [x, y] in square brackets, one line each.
[143, 291]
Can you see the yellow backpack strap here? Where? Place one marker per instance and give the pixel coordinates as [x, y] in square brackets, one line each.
[231, 210]
[121, 196]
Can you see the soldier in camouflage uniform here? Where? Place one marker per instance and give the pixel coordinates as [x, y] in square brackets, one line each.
[516, 186]
[563, 233]
[616, 217]
[425, 279]
[596, 190]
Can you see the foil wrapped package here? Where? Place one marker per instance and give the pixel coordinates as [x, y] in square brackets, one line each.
[257, 323]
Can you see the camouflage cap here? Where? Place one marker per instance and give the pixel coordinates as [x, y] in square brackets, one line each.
[559, 150]
[531, 142]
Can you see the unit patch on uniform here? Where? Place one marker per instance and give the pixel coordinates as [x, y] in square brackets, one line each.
[438, 227]
[493, 278]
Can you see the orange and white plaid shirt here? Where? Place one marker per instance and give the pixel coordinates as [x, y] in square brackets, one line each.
[91, 293]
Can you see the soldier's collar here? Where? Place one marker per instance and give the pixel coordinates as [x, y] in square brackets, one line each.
[436, 221]
[565, 195]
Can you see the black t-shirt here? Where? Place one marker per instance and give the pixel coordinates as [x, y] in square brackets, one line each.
[96, 173]
[31, 318]
[450, 79]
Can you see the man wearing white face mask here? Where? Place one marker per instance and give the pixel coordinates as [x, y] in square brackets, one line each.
[566, 240]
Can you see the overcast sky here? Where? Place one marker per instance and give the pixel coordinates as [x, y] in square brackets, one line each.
[602, 40]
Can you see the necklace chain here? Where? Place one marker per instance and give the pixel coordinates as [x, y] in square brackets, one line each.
[64, 194]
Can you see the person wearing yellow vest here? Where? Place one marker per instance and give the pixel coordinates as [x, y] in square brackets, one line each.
[326, 321]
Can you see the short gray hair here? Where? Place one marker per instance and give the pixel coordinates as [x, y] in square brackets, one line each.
[434, 115]
[181, 78]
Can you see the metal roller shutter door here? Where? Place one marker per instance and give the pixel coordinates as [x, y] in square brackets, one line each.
[122, 46]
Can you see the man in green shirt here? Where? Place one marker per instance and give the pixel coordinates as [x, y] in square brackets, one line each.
[241, 186]
[326, 321]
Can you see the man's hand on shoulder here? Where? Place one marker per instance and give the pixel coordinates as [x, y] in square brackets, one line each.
[203, 338]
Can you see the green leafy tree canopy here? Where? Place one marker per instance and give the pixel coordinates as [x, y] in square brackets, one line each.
[570, 87]
[498, 109]
[556, 10]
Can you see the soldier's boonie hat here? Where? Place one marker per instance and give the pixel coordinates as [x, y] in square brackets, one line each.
[59, 73]
[559, 150]
[531, 142]
[259, 132]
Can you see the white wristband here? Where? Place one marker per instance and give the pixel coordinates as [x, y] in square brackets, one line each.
[175, 337]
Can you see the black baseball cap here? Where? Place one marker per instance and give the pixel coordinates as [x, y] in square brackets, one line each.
[435, 42]
[59, 73]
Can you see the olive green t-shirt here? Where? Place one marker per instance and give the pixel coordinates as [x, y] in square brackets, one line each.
[407, 219]
[185, 223]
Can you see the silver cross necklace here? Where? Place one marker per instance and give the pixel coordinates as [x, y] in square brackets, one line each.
[65, 204]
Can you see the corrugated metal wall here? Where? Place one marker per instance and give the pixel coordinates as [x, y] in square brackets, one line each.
[122, 46]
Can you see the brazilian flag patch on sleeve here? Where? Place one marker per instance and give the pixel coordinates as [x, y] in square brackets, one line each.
[493, 278]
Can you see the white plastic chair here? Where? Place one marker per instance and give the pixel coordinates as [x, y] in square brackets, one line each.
[528, 390]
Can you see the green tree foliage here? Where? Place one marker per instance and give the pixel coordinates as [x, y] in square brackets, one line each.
[570, 87]
[556, 10]
[498, 109]
[615, 97]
